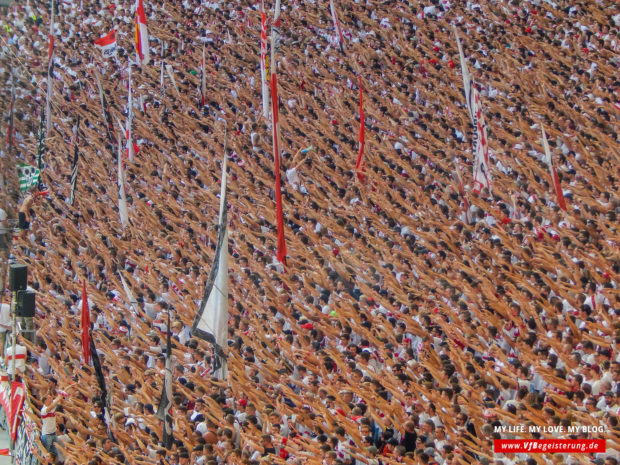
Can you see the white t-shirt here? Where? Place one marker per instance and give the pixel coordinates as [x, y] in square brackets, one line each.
[20, 360]
[5, 317]
[48, 421]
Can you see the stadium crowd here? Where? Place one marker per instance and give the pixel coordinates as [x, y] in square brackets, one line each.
[403, 328]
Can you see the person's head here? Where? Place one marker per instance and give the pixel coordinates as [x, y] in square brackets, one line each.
[266, 440]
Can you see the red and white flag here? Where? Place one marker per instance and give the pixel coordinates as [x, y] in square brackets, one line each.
[264, 73]
[142, 34]
[332, 8]
[281, 253]
[85, 325]
[50, 70]
[18, 396]
[107, 44]
[359, 165]
[481, 146]
[555, 179]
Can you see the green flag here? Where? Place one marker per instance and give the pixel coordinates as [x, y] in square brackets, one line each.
[28, 176]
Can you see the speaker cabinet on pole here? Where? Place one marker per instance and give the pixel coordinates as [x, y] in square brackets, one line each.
[25, 304]
[18, 277]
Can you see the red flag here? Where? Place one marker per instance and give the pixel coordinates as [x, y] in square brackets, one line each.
[142, 35]
[50, 49]
[107, 44]
[85, 325]
[281, 255]
[555, 179]
[359, 165]
[18, 395]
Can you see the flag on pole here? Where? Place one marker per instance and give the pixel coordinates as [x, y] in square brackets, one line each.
[105, 400]
[122, 200]
[161, 78]
[104, 106]
[203, 83]
[28, 176]
[481, 146]
[459, 179]
[170, 72]
[275, 128]
[332, 8]
[129, 136]
[555, 179]
[107, 44]
[41, 149]
[76, 156]
[130, 297]
[275, 32]
[50, 70]
[264, 73]
[359, 165]
[165, 403]
[467, 81]
[211, 322]
[142, 35]
[86, 352]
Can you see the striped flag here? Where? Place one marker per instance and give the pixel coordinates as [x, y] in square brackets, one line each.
[142, 35]
[107, 44]
[264, 73]
[50, 70]
[275, 128]
[76, 157]
[165, 403]
[85, 326]
[555, 179]
[359, 165]
[332, 8]
[481, 146]
[211, 322]
[28, 176]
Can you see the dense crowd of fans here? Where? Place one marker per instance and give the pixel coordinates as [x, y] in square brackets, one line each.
[403, 329]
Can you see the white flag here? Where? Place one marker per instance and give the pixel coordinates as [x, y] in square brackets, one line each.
[211, 322]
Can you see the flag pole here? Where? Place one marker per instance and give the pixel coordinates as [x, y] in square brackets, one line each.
[50, 66]
[76, 158]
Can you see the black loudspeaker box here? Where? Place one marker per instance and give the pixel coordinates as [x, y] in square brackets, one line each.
[25, 304]
[18, 277]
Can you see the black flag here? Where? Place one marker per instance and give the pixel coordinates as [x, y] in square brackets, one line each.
[165, 404]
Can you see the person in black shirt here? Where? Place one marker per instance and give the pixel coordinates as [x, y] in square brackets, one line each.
[409, 438]
[268, 447]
